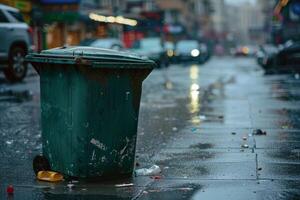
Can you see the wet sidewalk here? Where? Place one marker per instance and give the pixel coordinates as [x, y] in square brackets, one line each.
[197, 123]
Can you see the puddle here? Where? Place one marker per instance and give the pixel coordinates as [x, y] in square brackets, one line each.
[184, 191]
[202, 146]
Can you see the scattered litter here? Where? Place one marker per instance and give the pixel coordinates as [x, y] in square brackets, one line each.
[154, 170]
[83, 189]
[74, 181]
[202, 117]
[233, 133]
[124, 185]
[245, 146]
[9, 142]
[168, 85]
[259, 132]
[137, 164]
[166, 167]
[244, 138]
[145, 192]
[259, 169]
[174, 129]
[194, 129]
[156, 177]
[49, 176]
[70, 185]
[10, 190]
[221, 117]
[185, 189]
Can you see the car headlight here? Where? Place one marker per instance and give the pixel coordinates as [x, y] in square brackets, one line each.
[195, 53]
[170, 52]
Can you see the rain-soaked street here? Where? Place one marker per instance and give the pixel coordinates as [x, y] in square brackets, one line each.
[197, 123]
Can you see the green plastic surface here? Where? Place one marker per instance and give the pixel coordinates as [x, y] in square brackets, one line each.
[90, 56]
[89, 118]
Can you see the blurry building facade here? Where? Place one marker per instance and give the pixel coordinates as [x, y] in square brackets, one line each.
[67, 22]
[246, 23]
[267, 8]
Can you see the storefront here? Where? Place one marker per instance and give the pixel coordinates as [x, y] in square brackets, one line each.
[60, 24]
[24, 6]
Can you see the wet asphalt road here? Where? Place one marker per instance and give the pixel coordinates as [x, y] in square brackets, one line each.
[196, 123]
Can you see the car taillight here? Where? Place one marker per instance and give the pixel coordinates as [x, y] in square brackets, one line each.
[30, 33]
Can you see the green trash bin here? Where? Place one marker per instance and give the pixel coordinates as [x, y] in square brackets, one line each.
[90, 101]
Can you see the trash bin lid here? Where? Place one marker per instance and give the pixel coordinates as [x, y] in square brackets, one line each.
[91, 56]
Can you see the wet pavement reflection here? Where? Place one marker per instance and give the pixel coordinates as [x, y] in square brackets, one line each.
[196, 123]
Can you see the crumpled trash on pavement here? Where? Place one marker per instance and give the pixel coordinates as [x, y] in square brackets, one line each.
[168, 85]
[156, 177]
[154, 170]
[49, 176]
[202, 117]
[10, 190]
[259, 132]
[124, 185]
[70, 186]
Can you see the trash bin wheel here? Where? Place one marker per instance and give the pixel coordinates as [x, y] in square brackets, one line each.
[40, 163]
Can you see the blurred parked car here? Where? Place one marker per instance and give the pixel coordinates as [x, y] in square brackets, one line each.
[245, 51]
[191, 50]
[107, 43]
[265, 55]
[287, 57]
[154, 49]
[16, 42]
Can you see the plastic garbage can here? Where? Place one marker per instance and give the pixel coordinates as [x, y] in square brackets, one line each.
[90, 101]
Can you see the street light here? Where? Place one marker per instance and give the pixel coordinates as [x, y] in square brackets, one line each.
[113, 19]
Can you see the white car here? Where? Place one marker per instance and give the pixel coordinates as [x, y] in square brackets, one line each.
[107, 43]
[16, 42]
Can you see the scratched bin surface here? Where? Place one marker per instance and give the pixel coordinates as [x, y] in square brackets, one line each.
[89, 111]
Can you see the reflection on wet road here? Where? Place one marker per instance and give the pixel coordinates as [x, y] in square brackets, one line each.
[196, 123]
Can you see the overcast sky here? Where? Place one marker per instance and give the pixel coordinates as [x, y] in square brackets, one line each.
[236, 2]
